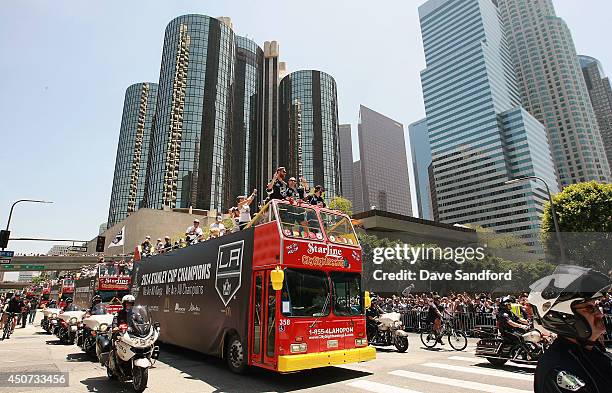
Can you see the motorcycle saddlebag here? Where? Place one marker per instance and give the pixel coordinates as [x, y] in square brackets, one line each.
[488, 346]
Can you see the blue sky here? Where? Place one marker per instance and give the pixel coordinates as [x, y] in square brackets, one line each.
[65, 66]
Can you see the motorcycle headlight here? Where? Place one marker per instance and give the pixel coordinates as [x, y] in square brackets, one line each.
[73, 320]
[54, 315]
[397, 324]
[103, 327]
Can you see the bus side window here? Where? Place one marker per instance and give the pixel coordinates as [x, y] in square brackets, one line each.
[271, 319]
[258, 314]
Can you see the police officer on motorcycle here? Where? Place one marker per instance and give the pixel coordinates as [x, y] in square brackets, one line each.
[511, 326]
[124, 314]
[371, 314]
[566, 303]
[97, 299]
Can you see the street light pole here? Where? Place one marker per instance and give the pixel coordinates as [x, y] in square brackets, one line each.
[13, 206]
[552, 210]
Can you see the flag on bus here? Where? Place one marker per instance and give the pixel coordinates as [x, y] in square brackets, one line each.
[119, 238]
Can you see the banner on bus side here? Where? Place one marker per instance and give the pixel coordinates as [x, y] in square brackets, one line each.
[199, 293]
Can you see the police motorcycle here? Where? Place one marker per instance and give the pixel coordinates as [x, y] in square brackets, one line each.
[95, 323]
[69, 323]
[49, 321]
[499, 350]
[386, 328]
[130, 349]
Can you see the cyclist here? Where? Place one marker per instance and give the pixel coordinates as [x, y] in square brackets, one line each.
[13, 308]
[566, 303]
[434, 316]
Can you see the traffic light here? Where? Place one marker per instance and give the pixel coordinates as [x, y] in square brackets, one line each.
[4, 238]
[100, 243]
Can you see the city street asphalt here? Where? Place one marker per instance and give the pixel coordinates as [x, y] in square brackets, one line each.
[441, 370]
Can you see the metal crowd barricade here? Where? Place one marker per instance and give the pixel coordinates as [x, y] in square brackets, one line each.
[471, 323]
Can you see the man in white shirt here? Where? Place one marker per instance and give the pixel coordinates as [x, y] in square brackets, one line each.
[193, 233]
[217, 228]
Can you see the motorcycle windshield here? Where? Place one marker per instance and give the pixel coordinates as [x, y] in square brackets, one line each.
[139, 321]
[99, 309]
[71, 307]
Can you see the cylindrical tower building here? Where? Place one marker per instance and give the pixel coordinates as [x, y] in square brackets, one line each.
[190, 154]
[132, 151]
[247, 125]
[308, 129]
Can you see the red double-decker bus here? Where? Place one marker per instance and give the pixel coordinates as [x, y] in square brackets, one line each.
[283, 294]
[111, 282]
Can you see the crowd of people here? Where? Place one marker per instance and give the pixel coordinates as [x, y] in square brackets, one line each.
[240, 215]
[23, 308]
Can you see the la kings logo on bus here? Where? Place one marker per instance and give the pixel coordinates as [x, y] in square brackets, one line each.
[229, 270]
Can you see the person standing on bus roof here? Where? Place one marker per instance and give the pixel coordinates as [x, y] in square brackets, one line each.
[277, 188]
[167, 244]
[194, 232]
[297, 192]
[244, 208]
[317, 197]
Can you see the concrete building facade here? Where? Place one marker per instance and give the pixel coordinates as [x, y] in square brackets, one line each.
[480, 136]
[598, 85]
[346, 162]
[384, 167]
[127, 194]
[553, 89]
[421, 160]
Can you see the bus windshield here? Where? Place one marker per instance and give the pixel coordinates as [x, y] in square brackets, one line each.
[300, 222]
[339, 229]
[347, 293]
[108, 296]
[306, 293]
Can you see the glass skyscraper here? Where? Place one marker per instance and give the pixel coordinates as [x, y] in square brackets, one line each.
[480, 136]
[190, 160]
[385, 180]
[598, 85]
[308, 132]
[247, 125]
[421, 159]
[132, 151]
[346, 161]
[553, 89]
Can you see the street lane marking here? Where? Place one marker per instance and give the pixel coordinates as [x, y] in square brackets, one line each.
[481, 387]
[378, 387]
[464, 359]
[482, 371]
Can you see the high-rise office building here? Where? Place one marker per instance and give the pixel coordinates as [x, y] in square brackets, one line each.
[421, 159]
[308, 125]
[271, 78]
[553, 89]
[346, 162]
[480, 136]
[247, 125]
[601, 98]
[190, 157]
[358, 206]
[132, 151]
[384, 166]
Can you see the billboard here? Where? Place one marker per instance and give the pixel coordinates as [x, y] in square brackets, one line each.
[199, 293]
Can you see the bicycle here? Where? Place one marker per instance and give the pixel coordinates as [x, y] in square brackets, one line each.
[456, 338]
[8, 326]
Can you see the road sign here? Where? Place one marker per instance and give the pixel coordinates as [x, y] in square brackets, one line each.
[7, 254]
[22, 267]
[77, 248]
[5, 261]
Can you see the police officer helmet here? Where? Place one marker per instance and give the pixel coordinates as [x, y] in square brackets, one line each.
[96, 299]
[68, 300]
[128, 299]
[553, 299]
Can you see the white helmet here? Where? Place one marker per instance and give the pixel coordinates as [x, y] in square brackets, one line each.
[128, 299]
[553, 297]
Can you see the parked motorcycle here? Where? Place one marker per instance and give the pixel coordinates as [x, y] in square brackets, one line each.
[49, 321]
[94, 324]
[69, 323]
[127, 354]
[387, 329]
[498, 350]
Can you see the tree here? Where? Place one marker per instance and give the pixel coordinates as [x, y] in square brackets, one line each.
[584, 213]
[342, 204]
[581, 207]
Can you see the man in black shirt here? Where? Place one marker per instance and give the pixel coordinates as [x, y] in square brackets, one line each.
[296, 192]
[277, 188]
[434, 316]
[577, 361]
[317, 197]
[510, 325]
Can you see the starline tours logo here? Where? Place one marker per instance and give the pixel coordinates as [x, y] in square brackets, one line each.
[229, 270]
[326, 249]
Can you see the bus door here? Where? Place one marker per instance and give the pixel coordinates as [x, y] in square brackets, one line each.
[263, 329]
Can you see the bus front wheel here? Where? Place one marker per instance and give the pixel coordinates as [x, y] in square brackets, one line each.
[235, 356]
